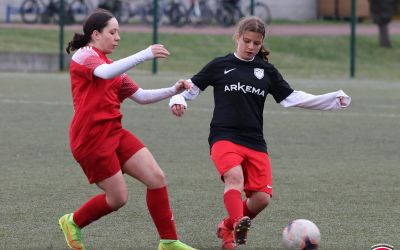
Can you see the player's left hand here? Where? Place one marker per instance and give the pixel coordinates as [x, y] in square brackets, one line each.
[178, 110]
[183, 85]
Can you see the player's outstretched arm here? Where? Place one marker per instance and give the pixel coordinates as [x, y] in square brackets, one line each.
[147, 96]
[108, 71]
[329, 101]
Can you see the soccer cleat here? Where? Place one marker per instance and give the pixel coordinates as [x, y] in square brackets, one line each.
[226, 235]
[173, 245]
[72, 232]
[240, 229]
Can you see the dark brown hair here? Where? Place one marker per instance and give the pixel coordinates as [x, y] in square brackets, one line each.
[97, 20]
[253, 24]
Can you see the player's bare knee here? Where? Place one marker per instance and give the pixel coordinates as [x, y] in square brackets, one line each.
[264, 199]
[265, 202]
[260, 200]
[118, 201]
[160, 175]
[233, 179]
[157, 179]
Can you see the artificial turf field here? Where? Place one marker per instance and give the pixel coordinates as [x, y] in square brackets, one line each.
[339, 169]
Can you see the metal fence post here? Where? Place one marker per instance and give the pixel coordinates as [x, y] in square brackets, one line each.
[155, 32]
[353, 39]
[61, 24]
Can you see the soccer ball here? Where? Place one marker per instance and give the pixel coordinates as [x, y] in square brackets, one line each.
[301, 234]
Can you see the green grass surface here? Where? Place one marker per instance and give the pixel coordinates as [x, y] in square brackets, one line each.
[299, 56]
[338, 169]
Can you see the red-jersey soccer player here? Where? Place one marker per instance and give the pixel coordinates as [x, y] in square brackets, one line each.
[99, 143]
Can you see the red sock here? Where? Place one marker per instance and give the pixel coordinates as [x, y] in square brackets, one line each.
[160, 211]
[92, 210]
[234, 206]
[247, 212]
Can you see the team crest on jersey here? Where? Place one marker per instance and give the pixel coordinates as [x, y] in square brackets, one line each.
[259, 73]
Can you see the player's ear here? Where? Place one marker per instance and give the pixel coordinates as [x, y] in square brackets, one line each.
[95, 35]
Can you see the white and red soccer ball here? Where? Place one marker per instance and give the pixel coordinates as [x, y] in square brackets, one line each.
[301, 234]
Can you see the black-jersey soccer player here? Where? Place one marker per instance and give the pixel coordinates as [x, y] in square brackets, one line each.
[241, 82]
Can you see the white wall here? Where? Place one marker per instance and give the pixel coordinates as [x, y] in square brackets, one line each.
[292, 9]
[17, 3]
[3, 9]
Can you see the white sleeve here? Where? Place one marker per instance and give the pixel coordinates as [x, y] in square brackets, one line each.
[108, 71]
[190, 95]
[146, 96]
[329, 101]
[177, 99]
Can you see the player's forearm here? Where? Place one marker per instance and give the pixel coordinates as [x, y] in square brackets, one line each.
[146, 96]
[329, 101]
[190, 95]
[108, 71]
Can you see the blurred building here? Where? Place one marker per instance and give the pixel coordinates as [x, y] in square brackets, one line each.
[281, 10]
[341, 9]
[292, 9]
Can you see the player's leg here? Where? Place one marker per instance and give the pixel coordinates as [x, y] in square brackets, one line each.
[228, 164]
[258, 187]
[114, 196]
[234, 181]
[115, 189]
[227, 159]
[256, 202]
[143, 167]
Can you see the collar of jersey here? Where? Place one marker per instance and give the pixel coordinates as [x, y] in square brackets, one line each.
[252, 59]
[101, 54]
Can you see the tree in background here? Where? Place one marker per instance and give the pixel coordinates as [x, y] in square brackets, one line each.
[382, 12]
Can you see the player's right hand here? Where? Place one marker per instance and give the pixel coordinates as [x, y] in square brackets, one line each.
[183, 85]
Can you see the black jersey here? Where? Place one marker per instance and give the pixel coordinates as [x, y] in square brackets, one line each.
[240, 91]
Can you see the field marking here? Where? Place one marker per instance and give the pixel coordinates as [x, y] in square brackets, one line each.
[198, 109]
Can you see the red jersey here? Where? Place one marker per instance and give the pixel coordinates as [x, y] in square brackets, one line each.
[96, 101]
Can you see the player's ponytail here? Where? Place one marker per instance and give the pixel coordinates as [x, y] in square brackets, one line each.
[253, 24]
[78, 41]
[95, 21]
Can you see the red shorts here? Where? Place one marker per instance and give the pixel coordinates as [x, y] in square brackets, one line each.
[110, 156]
[255, 164]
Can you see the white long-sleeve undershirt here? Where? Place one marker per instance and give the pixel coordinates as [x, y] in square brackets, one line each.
[328, 101]
[108, 71]
[146, 96]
